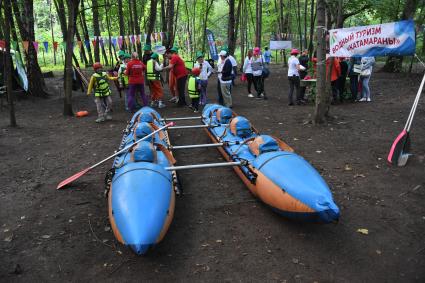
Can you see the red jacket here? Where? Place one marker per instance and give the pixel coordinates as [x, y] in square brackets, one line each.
[135, 72]
[336, 68]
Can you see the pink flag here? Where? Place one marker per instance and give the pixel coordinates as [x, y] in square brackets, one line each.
[35, 43]
[120, 41]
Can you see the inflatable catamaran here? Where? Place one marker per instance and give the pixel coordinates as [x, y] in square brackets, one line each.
[142, 183]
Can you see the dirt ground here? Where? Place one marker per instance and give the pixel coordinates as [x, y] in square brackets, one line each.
[219, 232]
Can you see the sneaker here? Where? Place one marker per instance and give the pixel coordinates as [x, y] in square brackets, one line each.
[108, 117]
[368, 99]
[161, 104]
[176, 100]
[258, 97]
[173, 99]
[153, 103]
[100, 119]
[363, 99]
[250, 95]
[195, 111]
[262, 94]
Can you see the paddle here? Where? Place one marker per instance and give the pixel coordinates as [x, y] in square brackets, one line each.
[399, 150]
[81, 173]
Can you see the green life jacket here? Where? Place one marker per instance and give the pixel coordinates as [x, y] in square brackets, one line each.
[101, 86]
[151, 73]
[192, 88]
[123, 78]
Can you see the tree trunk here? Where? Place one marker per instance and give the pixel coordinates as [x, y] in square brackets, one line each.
[25, 21]
[121, 22]
[312, 20]
[152, 18]
[322, 97]
[258, 23]
[96, 30]
[394, 64]
[83, 23]
[108, 26]
[299, 24]
[72, 20]
[82, 49]
[8, 71]
[305, 23]
[170, 24]
[136, 28]
[231, 39]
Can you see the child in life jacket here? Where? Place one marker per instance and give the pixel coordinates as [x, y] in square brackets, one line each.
[194, 88]
[102, 92]
[122, 78]
[153, 75]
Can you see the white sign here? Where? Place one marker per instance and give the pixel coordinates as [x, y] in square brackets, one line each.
[375, 40]
[278, 45]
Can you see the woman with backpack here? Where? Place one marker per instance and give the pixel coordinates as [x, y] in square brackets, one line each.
[257, 72]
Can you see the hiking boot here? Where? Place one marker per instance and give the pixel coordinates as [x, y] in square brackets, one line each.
[250, 95]
[108, 117]
[161, 104]
[100, 119]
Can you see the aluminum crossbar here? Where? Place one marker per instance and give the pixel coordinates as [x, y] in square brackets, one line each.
[201, 166]
[181, 118]
[197, 146]
[196, 126]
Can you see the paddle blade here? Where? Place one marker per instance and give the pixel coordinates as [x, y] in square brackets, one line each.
[72, 178]
[401, 145]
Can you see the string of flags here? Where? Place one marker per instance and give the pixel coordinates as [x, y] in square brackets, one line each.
[116, 41]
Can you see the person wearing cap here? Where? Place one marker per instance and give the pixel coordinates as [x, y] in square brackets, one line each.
[225, 77]
[102, 92]
[194, 88]
[257, 72]
[122, 78]
[178, 68]
[233, 61]
[147, 52]
[247, 70]
[153, 75]
[136, 81]
[206, 71]
[294, 77]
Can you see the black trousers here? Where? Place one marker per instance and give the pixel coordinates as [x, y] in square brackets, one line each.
[195, 103]
[181, 86]
[219, 94]
[249, 78]
[294, 83]
[258, 84]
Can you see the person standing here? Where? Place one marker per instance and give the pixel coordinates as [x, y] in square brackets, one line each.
[206, 71]
[247, 70]
[102, 92]
[267, 56]
[179, 71]
[225, 78]
[333, 68]
[135, 72]
[257, 72]
[153, 70]
[367, 65]
[294, 77]
[194, 89]
[123, 79]
[353, 73]
[342, 78]
[304, 60]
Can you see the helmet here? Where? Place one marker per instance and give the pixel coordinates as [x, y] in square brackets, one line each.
[127, 56]
[147, 47]
[121, 53]
[257, 51]
[97, 65]
[196, 71]
[199, 54]
[295, 51]
[154, 56]
[174, 49]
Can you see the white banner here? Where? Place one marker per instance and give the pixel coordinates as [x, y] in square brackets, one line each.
[278, 45]
[375, 40]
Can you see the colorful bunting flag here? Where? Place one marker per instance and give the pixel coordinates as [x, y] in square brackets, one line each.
[87, 43]
[2, 44]
[25, 44]
[120, 41]
[35, 43]
[80, 44]
[46, 46]
[55, 45]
